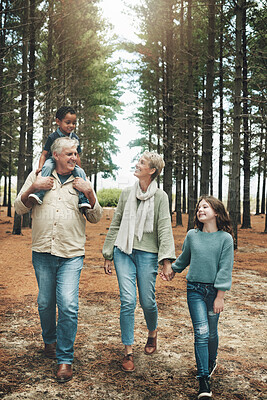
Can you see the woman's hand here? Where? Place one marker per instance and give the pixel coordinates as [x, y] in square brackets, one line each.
[167, 272]
[107, 267]
[218, 304]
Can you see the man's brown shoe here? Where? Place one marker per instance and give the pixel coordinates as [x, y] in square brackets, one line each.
[127, 363]
[64, 373]
[50, 350]
[151, 345]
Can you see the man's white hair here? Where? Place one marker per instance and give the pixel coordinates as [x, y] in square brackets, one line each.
[63, 143]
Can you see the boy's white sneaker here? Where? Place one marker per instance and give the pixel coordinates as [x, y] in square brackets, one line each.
[35, 198]
[85, 206]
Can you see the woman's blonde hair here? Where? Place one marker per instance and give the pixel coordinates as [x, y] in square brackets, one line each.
[155, 161]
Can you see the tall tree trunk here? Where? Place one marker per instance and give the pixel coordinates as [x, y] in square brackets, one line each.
[2, 53]
[32, 25]
[181, 123]
[23, 115]
[235, 172]
[263, 194]
[265, 229]
[259, 173]
[196, 169]
[61, 66]
[9, 203]
[178, 193]
[10, 146]
[5, 191]
[95, 182]
[168, 138]
[184, 183]
[196, 149]
[190, 125]
[164, 103]
[208, 105]
[220, 181]
[158, 131]
[31, 97]
[48, 74]
[246, 154]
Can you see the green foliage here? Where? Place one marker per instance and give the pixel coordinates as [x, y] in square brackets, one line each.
[73, 67]
[163, 86]
[108, 197]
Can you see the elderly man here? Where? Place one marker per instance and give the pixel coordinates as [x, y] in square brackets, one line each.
[58, 239]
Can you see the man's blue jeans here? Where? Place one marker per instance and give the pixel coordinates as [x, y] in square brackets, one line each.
[139, 268]
[47, 170]
[58, 281]
[200, 299]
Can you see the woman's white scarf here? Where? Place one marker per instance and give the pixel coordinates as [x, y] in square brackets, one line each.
[136, 221]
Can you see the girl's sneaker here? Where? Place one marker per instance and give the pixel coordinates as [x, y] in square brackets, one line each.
[204, 388]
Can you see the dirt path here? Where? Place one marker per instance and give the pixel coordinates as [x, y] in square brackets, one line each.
[170, 373]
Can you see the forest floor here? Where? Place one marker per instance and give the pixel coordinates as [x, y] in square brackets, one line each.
[170, 373]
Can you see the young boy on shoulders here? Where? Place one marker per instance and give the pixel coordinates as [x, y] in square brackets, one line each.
[66, 121]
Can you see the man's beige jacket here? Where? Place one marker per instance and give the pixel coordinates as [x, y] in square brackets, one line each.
[58, 226]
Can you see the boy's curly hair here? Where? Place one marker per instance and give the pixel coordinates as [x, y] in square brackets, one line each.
[63, 111]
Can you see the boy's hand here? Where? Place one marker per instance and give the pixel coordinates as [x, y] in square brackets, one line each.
[107, 267]
[43, 183]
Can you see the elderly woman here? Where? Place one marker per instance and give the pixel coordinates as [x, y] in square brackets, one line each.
[140, 236]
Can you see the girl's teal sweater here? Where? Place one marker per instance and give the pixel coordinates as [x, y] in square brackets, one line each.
[211, 258]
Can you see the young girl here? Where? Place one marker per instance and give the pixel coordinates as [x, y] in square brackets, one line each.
[209, 249]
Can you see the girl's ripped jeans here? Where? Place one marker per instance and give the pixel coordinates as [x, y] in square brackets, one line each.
[200, 299]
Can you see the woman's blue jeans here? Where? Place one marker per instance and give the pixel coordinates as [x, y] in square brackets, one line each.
[58, 281]
[200, 299]
[139, 268]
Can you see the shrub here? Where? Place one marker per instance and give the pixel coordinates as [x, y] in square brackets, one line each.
[108, 197]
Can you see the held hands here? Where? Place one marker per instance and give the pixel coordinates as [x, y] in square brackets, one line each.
[167, 273]
[107, 267]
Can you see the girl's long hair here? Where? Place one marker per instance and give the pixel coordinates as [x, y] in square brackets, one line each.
[222, 219]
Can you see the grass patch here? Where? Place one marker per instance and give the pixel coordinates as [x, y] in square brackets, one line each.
[108, 197]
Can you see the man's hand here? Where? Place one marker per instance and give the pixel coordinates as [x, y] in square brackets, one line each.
[43, 183]
[82, 186]
[107, 267]
[85, 187]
